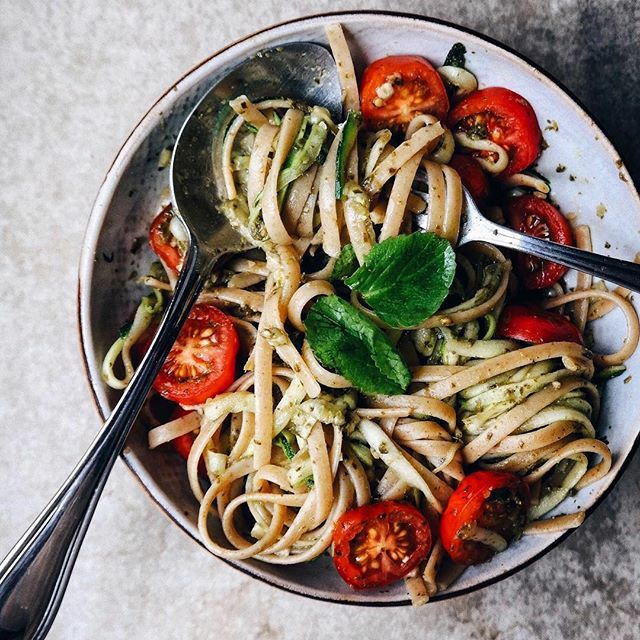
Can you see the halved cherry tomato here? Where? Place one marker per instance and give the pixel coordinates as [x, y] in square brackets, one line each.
[536, 217]
[504, 117]
[472, 176]
[379, 543]
[493, 500]
[162, 242]
[397, 88]
[202, 361]
[530, 324]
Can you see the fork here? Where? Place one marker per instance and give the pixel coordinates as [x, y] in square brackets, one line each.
[474, 227]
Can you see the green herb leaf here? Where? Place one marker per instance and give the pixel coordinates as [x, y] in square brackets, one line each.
[405, 279]
[349, 137]
[455, 57]
[348, 342]
[346, 264]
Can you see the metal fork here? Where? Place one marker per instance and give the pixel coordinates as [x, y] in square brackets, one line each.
[474, 227]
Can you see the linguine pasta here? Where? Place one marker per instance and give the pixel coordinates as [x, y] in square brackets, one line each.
[291, 445]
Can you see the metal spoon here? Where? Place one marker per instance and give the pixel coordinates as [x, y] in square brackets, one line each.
[476, 228]
[34, 575]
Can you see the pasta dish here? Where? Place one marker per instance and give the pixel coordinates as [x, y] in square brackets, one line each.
[356, 384]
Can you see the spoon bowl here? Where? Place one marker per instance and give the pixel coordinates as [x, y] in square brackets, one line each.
[304, 72]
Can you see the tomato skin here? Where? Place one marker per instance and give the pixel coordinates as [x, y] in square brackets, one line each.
[510, 121]
[200, 366]
[159, 236]
[418, 88]
[398, 527]
[472, 176]
[494, 500]
[530, 324]
[182, 444]
[537, 217]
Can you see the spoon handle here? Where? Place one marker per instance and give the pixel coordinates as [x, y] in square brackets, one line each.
[34, 574]
[620, 272]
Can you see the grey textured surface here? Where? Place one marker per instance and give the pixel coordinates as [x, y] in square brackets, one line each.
[74, 78]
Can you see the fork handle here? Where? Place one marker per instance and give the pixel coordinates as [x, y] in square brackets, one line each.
[34, 574]
[621, 272]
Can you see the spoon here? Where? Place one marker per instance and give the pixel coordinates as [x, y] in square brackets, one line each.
[475, 227]
[35, 573]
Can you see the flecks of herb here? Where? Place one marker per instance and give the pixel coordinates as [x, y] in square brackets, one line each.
[455, 57]
[552, 125]
[108, 257]
[561, 168]
[478, 131]
[607, 245]
[123, 332]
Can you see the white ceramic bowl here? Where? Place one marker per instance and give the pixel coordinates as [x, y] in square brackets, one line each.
[134, 187]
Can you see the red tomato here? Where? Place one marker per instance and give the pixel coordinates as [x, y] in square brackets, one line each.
[472, 176]
[182, 444]
[493, 500]
[162, 242]
[506, 118]
[202, 361]
[536, 217]
[414, 86]
[529, 324]
[379, 543]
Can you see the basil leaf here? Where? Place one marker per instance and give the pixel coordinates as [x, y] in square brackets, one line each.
[346, 263]
[348, 342]
[405, 279]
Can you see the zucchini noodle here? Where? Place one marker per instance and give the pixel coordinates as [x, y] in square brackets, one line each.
[291, 445]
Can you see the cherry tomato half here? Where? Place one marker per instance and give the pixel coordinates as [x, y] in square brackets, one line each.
[530, 324]
[162, 242]
[493, 500]
[472, 176]
[202, 361]
[536, 217]
[395, 89]
[504, 117]
[379, 543]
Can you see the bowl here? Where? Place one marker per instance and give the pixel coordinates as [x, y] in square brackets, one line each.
[115, 251]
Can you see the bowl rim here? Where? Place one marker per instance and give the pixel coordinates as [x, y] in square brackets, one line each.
[87, 258]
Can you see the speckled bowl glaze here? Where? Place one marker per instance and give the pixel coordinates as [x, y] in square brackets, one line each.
[134, 187]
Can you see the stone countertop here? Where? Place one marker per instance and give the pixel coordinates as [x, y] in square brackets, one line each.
[74, 78]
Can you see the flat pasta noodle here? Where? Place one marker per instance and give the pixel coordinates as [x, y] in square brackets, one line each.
[291, 445]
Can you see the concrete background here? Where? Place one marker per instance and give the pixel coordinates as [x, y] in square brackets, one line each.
[74, 78]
